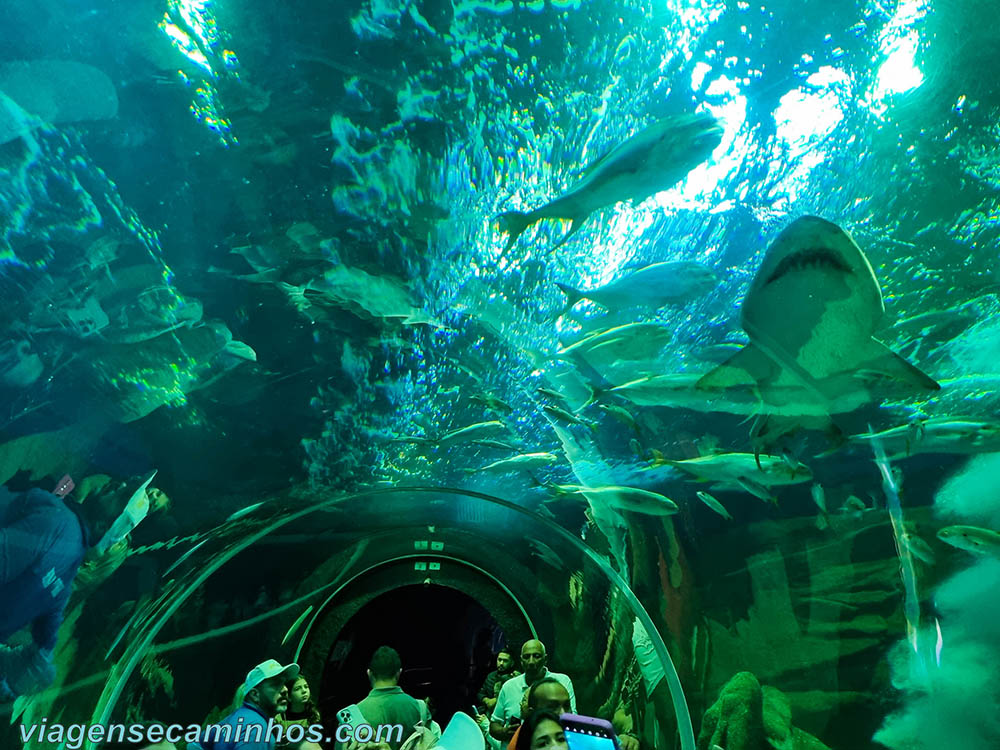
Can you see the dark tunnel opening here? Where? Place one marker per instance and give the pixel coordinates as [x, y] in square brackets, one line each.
[445, 639]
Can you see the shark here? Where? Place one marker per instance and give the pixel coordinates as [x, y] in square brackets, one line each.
[649, 162]
[810, 315]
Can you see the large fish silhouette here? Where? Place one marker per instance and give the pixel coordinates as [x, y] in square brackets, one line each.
[650, 161]
[810, 315]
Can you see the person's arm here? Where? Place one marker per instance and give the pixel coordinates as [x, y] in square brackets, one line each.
[486, 690]
[45, 628]
[22, 542]
[500, 732]
[498, 729]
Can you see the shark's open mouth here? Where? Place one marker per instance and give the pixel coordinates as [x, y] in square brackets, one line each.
[811, 258]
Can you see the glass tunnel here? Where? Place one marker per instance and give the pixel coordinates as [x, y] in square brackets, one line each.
[344, 556]
[447, 364]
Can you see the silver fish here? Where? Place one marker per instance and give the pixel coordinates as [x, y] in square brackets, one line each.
[652, 160]
[818, 496]
[546, 554]
[624, 498]
[557, 412]
[714, 504]
[621, 414]
[919, 548]
[492, 402]
[542, 390]
[972, 539]
[522, 462]
[630, 342]
[728, 468]
[650, 288]
[478, 431]
[757, 490]
[498, 444]
[944, 435]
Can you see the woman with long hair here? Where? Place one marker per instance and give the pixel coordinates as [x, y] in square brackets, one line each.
[541, 730]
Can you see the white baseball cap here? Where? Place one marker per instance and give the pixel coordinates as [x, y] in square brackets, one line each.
[462, 733]
[266, 670]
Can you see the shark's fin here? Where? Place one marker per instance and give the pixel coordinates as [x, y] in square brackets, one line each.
[748, 366]
[759, 426]
[573, 295]
[514, 223]
[882, 360]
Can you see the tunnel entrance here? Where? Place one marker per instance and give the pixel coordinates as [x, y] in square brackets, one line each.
[445, 639]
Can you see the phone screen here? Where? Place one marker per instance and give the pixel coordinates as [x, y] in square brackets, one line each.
[587, 740]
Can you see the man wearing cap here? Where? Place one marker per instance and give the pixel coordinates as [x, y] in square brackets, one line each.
[252, 725]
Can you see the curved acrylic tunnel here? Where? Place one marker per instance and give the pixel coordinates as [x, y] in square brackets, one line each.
[181, 654]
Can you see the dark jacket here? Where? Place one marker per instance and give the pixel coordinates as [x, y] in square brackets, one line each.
[489, 684]
[42, 543]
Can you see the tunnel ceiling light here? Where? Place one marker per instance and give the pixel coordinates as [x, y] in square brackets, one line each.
[420, 566]
[437, 546]
[420, 545]
[435, 566]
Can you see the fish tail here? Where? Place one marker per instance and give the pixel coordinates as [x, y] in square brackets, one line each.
[514, 223]
[538, 358]
[573, 295]
[596, 393]
[658, 458]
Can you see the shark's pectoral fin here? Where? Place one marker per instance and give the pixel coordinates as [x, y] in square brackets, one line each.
[749, 366]
[880, 359]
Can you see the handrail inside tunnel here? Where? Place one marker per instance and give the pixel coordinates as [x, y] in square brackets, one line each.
[343, 537]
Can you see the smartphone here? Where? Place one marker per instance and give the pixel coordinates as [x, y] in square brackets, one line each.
[588, 733]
